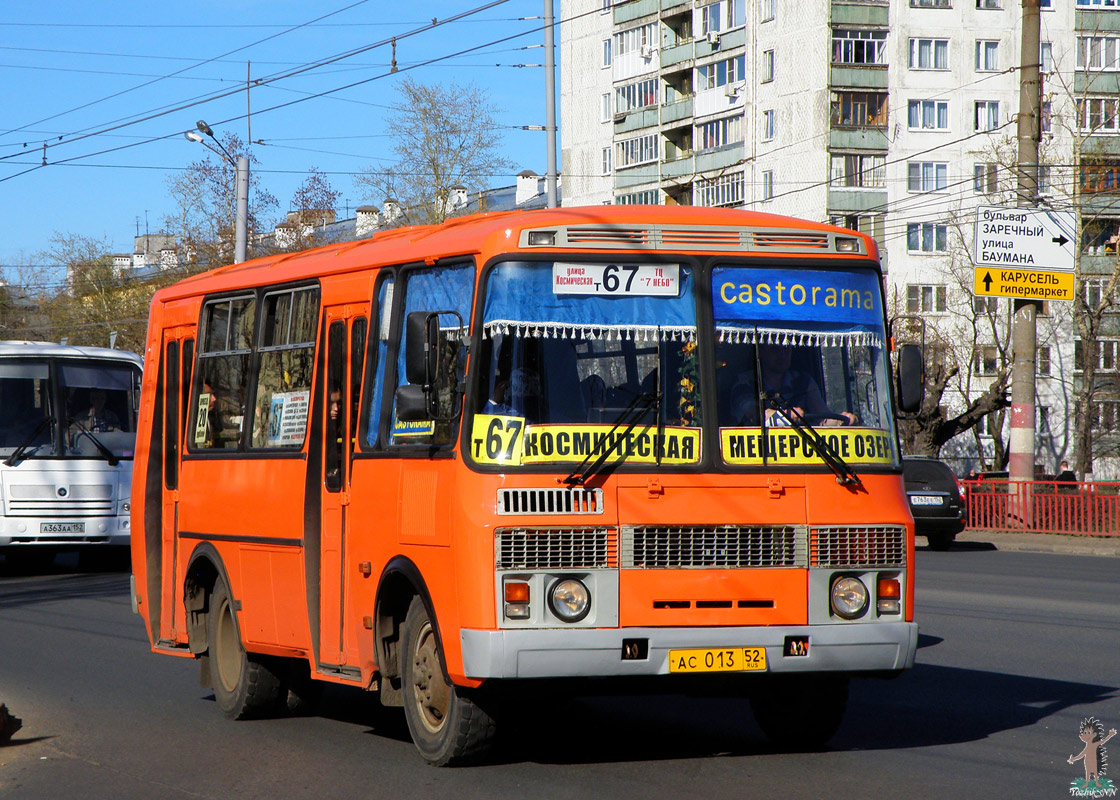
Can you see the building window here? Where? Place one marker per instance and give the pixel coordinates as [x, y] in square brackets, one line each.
[1098, 115]
[871, 224]
[859, 109]
[1098, 53]
[642, 94]
[989, 5]
[724, 190]
[1105, 416]
[929, 54]
[1042, 361]
[929, 115]
[606, 161]
[927, 176]
[926, 299]
[605, 108]
[1107, 352]
[768, 184]
[1046, 58]
[859, 47]
[768, 125]
[1095, 294]
[985, 360]
[606, 52]
[985, 305]
[1101, 175]
[721, 73]
[718, 133]
[766, 10]
[926, 237]
[767, 66]
[987, 56]
[985, 178]
[859, 171]
[721, 16]
[634, 40]
[931, 4]
[1098, 4]
[638, 150]
[987, 115]
[649, 197]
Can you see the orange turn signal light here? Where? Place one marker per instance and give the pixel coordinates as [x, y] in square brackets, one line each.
[517, 592]
[888, 587]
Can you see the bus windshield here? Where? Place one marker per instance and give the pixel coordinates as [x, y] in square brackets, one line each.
[55, 407]
[801, 346]
[581, 357]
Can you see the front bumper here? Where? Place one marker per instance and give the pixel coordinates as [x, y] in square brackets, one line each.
[597, 652]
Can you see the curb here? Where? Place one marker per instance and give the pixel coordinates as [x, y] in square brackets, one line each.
[1107, 546]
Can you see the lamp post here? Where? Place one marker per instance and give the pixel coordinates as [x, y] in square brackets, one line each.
[241, 222]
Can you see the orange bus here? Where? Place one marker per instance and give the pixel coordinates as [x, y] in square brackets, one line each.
[613, 448]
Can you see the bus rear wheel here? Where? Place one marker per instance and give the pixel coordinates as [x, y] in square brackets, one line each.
[245, 685]
[447, 724]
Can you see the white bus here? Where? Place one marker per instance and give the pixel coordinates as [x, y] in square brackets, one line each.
[67, 435]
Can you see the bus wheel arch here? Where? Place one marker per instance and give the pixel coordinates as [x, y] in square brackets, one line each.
[400, 582]
[203, 570]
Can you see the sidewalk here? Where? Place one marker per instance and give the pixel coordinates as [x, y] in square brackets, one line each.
[1039, 542]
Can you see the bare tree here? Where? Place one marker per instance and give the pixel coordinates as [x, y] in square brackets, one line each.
[443, 136]
[205, 195]
[313, 205]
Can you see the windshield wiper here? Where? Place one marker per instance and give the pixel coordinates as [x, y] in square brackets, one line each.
[109, 456]
[13, 459]
[838, 465]
[629, 417]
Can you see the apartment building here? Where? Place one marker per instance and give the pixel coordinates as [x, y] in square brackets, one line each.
[893, 117]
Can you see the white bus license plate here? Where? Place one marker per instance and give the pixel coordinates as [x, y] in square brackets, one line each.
[926, 500]
[62, 527]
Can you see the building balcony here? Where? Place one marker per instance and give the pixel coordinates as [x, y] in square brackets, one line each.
[627, 121]
[873, 76]
[856, 201]
[1095, 82]
[727, 43]
[635, 9]
[676, 112]
[679, 56]
[858, 139]
[863, 13]
[678, 168]
[719, 158]
[671, 8]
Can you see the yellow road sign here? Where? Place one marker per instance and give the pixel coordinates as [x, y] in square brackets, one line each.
[1029, 284]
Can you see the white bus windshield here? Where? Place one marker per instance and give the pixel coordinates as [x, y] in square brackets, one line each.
[54, 408]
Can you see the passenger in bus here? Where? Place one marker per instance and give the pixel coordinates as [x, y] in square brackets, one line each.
[796, 387]
[213, 432]
[516, 397]
[334, 437]
[97, 418]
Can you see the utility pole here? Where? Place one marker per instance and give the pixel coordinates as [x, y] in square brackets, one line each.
[1024, 335]
[550, 102]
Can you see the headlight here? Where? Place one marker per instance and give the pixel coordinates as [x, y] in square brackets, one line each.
[849, 597]
[569, 600]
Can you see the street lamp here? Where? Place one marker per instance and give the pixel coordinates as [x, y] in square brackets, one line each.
[242, 165]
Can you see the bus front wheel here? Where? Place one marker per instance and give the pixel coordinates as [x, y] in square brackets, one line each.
[245, 685]
[447, 724]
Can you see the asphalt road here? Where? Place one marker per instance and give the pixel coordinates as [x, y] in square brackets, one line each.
[1016, 648]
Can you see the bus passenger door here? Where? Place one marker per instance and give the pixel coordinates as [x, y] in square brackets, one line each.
[346, 334]
[178, 357]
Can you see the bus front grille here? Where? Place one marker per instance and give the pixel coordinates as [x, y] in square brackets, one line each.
[713, 547]
[555, 548]
[49, 500]
[550, 501]
[857, 546]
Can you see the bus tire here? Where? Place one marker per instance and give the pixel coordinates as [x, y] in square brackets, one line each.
[447, 724]
[939, 541]
[246, 686]
[801, 712]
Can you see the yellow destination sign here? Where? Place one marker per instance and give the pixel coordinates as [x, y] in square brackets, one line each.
[1029, 284]
[786, 446]
[510, 441]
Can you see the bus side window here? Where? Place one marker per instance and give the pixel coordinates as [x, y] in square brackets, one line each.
[448, 288]
[378, 359]
[171, 415]
[222, 388]
[357, 377]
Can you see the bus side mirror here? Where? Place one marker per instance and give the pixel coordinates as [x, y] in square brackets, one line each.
[421, 351]
[911, 378]
[412, 403]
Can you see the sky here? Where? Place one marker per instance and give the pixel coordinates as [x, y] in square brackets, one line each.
[111, 89]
